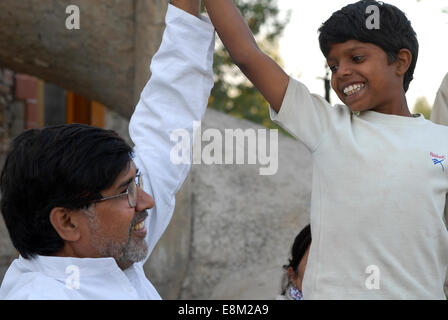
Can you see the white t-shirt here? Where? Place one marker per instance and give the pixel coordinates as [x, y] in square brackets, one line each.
[175, 96]
[379, 191]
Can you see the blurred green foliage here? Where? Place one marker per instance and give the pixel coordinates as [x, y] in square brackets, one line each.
[233, 93]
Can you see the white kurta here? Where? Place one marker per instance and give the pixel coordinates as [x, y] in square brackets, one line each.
[175, 97]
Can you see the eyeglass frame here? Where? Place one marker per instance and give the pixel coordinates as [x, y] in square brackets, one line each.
[138, 184]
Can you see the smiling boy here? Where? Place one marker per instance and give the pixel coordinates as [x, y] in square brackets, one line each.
[378, 203]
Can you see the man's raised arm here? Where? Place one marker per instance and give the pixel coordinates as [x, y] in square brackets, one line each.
[267, 76]
[175, 96]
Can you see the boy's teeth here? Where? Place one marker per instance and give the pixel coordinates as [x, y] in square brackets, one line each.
[353, 88]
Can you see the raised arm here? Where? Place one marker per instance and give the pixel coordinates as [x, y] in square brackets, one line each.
[173, 99]
[267, 76]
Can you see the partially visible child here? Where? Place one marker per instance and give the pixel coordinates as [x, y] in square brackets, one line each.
[295, 270]
[380, 176]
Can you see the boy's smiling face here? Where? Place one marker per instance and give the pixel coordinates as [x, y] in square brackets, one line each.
[364, 80]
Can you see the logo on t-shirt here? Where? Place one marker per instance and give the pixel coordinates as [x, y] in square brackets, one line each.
[438, 159]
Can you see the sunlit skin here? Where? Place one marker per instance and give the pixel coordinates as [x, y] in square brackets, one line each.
[359, 62]
[108, 224]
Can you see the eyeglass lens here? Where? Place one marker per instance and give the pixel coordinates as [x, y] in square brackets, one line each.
[132, 191]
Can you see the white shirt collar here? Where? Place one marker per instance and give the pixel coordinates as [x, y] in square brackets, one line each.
[57, 266]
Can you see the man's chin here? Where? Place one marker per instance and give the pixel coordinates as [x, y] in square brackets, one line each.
[136, 251]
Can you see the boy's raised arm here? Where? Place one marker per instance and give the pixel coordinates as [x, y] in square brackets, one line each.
[267, 76]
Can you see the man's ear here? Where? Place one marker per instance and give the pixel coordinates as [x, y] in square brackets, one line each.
[66, 223]
[404, 59]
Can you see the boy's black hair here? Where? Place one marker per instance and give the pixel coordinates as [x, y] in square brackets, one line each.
[62, 166]
[298, 249]
[395, 31]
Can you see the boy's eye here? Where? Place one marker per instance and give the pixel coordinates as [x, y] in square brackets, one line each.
[357, 58]
[333, 68]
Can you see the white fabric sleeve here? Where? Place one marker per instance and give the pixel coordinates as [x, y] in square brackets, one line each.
[306, 116]
[439, 113]
[175, 96]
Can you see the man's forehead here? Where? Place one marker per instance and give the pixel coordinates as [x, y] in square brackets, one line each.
[128, 172]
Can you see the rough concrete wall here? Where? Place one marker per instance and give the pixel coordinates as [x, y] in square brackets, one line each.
[233, 241]
[12, 122]
[106, 60]
[149, 27]
[114, 121]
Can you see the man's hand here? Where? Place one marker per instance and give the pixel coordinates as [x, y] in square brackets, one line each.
[191, 6]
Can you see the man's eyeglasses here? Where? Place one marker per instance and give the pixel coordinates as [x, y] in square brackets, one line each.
[131, 192]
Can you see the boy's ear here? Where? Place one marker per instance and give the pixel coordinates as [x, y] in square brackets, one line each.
[66, 223]
[404, 59]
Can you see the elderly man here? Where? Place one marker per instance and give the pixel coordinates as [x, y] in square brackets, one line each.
[439, 112]
[82, 207]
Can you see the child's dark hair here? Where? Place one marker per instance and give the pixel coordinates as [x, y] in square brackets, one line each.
[395, 31]
[299, 247]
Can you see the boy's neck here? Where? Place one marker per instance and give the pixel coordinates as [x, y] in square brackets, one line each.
[400, 108]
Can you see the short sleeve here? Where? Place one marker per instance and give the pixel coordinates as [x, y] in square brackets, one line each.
[306, 116]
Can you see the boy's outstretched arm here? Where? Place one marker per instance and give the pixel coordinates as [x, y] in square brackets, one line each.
[267, 76]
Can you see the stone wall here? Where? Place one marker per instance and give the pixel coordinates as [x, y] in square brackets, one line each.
[12, 111]
[12, 122]
[106, 60]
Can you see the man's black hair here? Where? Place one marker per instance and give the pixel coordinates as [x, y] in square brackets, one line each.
[395, 31]
[62, 166]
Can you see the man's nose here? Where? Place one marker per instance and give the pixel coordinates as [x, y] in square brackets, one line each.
[144, 201]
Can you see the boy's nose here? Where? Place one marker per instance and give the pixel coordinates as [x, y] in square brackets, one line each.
[344, 70]
[144, 201]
